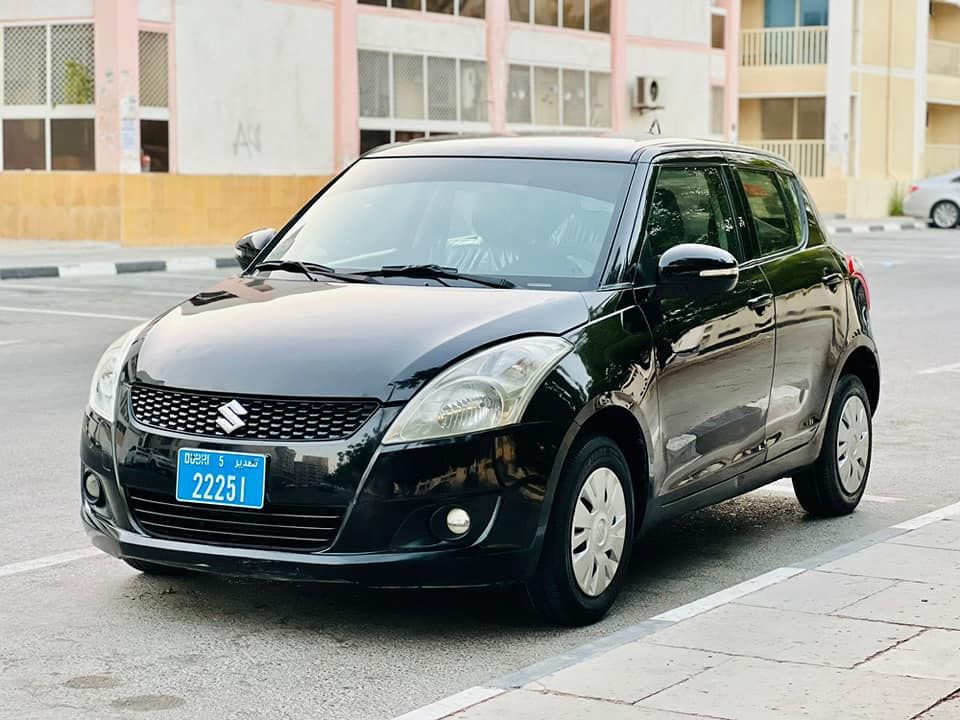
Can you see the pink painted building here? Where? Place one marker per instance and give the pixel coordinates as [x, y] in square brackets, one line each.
[301, 87]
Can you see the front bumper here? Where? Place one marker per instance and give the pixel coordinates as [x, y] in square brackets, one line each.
[391, 497]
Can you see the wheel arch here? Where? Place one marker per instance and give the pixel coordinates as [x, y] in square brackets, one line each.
[862, 362]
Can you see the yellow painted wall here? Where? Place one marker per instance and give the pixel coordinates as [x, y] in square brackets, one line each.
[889, 33]
[943, 87]
[777, 79]
[751, 14]
[885, 143]
[152, 209]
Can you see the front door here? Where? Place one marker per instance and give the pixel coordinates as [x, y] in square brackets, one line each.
[714, 354]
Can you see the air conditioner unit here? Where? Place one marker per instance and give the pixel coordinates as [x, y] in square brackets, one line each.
[648, 93]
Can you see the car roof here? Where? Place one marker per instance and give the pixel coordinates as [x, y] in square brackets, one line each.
[606, 148]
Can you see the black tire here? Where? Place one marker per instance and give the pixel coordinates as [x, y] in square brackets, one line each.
[149, 568]
[554, 591]
[944, 204]
[819, 488]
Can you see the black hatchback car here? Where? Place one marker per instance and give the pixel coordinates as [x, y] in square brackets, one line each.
[490, 360]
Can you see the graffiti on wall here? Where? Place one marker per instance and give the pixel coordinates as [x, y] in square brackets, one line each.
[246, 139]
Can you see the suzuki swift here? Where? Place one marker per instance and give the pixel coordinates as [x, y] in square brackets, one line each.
[487, 361]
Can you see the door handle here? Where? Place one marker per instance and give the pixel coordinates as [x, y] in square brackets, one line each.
[760, 303]
[832, 280]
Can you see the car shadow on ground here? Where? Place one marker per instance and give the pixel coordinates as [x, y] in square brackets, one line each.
[683, 553]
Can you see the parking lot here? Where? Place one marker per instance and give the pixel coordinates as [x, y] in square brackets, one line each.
[83, 635]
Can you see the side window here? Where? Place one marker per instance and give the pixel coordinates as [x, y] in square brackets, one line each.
[775, 231]
[690, 205]
[798, 218]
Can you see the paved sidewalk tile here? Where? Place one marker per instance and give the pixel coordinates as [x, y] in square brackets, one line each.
[901, 562]
[943, 534]
[816, 592]
[630, 673]
[751, 689]
[526, 705]
[913, 604]
[784, 635]
[932, 654]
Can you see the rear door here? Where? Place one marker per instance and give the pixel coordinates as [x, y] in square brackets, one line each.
[714, 354]
[806, 277]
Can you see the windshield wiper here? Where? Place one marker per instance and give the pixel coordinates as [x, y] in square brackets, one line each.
[311, 270]
[436, 272]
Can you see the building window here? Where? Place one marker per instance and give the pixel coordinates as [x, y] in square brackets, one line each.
[717, 100]
[548, 96]
[794, 13]
[593, 15]
[154, 102]
[47, 100]
[405, 96]
[464, 8]
[792, 118]
[718, 29]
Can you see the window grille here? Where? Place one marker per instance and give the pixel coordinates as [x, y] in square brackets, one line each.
[25, 65]
[154, 70]
[408, 86]
[473, 90]
[71, 64]
[442, 88]
[374, 71]
[518, 94]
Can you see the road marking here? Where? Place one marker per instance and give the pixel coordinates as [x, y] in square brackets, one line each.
[727, 595]
[103, 316]
[785, 487]
[87, 268]
[10, 342]
[455, 703]
[48, 561]
[931, 517]
[107, 289]
[952, 368]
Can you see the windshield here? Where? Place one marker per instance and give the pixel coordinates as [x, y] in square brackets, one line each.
[538, 223]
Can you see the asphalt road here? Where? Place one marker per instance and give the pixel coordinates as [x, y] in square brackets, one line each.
[94, 639]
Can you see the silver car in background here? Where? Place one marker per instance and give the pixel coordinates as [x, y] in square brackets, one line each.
[936, 200]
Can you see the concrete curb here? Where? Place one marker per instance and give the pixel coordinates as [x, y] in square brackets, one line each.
[90, 269]
[481, 693]
[877, 227]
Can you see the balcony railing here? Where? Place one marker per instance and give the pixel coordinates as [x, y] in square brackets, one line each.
[784, 46]
[806, 156]
[943, 58]
[942, 159]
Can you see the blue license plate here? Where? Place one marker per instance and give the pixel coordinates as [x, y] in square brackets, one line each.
[221, 478]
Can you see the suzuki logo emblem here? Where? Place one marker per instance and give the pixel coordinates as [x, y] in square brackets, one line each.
[230, 419]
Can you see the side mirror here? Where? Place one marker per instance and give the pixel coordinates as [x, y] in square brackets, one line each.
[693, 270]
[250, 245]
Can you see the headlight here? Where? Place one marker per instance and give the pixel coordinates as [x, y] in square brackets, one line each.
[484, 391]
[106, 378]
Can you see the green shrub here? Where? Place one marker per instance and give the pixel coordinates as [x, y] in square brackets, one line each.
[79, 85]
[895, 206]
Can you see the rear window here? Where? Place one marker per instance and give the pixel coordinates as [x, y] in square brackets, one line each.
[775, 229]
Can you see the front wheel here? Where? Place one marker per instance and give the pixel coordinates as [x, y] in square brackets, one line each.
[589, 537]
[945, 214]
[834, 484]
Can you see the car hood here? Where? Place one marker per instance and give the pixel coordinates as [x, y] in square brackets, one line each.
[292, 338]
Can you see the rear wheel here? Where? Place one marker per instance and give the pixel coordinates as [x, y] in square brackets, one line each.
[149, 568]
[589, 537]
[834, 484]
[945, 214]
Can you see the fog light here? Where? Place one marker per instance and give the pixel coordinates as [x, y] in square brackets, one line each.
[92, 488]
[458, 521]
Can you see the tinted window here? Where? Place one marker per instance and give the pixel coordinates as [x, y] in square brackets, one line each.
[690, 205]
[547, 221]
[775, 231]
[797, 214]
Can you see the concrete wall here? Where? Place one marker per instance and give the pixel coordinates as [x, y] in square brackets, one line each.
[679, 20]
[943, 125]
[684, 91]
[147, 209]
[43, 9]
[234, 113]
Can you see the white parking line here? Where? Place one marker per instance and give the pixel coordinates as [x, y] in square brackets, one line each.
[69, 313]
[72, 288]
[48, 561]
[785, 487]
[952, 368]
[455, 703]
[10, 342]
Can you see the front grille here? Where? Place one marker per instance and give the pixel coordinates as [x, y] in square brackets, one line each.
[275, 528]
[266, 418]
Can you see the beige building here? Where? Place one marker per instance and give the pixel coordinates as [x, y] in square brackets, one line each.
[863, 96]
